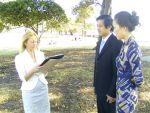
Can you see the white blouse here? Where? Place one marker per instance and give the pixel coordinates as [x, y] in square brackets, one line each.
[24, 64]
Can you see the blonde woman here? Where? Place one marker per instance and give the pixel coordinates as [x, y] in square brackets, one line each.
[34, 85]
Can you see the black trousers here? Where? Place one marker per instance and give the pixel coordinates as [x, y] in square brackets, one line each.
[103, 106]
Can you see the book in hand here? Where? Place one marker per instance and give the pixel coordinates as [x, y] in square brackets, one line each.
[58, 56]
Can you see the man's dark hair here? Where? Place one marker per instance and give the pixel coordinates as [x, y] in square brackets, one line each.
[107, 21]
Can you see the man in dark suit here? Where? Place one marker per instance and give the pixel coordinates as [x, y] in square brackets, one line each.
[105, 73]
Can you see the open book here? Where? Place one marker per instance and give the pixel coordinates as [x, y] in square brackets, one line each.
[50, 62]
[58, 56]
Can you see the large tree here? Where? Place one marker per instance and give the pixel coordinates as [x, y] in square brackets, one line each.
[30, 13]
[56, 24]
[105, 6]
[1, 26]
[83, 11]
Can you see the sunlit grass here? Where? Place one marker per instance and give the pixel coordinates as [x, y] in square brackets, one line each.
[2, 74]
[9, 100]
[145, 96]
[7, 52]
[70, 84]
[4, 96]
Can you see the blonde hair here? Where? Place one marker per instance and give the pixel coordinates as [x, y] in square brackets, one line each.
[28, 34]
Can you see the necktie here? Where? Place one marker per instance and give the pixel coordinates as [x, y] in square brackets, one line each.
[101, 45]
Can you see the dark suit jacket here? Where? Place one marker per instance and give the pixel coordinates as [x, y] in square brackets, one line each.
[105, 72]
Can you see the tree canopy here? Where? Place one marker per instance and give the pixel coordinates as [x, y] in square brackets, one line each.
[30, 13]
[83, 11]
[104, 4]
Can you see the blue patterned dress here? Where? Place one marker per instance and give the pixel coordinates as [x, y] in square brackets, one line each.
[129, 76]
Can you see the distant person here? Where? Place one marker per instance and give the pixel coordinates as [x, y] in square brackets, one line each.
[34, 85]
[129, 69]
[105, 72]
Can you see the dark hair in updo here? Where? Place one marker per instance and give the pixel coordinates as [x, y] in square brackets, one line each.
[125, 19]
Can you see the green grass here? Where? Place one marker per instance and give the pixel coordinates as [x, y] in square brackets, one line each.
[70, 84]
[6, 52]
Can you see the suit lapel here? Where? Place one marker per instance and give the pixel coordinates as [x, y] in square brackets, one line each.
[98, 47]
[106, 46]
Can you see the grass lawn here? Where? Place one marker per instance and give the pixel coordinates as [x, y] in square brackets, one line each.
[70, 84]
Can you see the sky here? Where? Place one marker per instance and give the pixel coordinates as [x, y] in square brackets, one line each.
[140, 6]
[67, 5]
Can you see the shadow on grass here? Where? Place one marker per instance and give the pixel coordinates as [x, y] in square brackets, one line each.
[72, 81]
[10, 98]
[70, 84]
[76, 93]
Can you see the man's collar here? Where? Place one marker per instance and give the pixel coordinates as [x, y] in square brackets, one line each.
[106, 38]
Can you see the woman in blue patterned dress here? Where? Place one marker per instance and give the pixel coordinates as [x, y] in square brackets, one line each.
[128, 62]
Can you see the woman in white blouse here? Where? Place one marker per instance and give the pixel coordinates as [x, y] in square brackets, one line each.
[34, 85]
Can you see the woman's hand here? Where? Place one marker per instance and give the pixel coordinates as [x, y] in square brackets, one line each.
[31, 72]
[43, 70]
[45, 74]
[110, 99]
[35, 69]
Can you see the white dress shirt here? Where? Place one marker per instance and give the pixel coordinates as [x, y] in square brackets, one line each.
[24, 64]
[103, 41]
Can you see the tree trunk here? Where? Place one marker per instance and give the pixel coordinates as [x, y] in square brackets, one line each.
[106, 7]
[37, 28]
[84, 29]
[32, 28]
